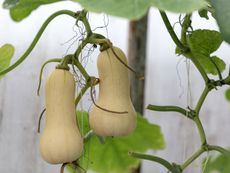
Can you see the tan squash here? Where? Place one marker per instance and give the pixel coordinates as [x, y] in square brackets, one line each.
[61, 140]
[114, 95]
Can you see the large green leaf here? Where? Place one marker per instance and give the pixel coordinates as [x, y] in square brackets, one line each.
[222, 13]
[181, 6]
[123, 8]
[6, 54]
[9, 3]
[219, 163]
[202, 44]
[25, 7]
[135, 9]
[112, 156]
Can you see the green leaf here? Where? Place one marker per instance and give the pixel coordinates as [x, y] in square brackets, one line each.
[25, 7]
[9, 3]
[205, 41]
[179, 6]
[202, 44]
[203, 13]
[219, 63]
[222, 13]
[135, 9]
[227, 94]
[220, 163]
[112, 156]
[6, 54]
[123, 8]
[210, 66]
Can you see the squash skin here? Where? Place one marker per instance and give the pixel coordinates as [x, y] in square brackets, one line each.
[114, 95]
[61, 141]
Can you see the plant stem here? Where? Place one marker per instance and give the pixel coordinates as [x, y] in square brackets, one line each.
[185, 25]
[86, 23]
[82, 92]
[92, 39]
[201, 100]
[219, 149]
[200, 68]
[89, 39]
[81, 69]
[201, 130]
[37, 37]
[172, 33]
[192, 158]
[41, 71]
[156, 159]
[168, 109]
[80, 48]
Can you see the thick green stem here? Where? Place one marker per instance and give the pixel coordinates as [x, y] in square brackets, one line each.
[156, 159]
[201, 100]
[227, 80]
[219, 149]
[81, 69]
[37, 37]
[92, 39]
[204, 148]
[185, 25]
[87, 26]
[201, 130]
[82, 92]
[83, 18]
[200, 68]
[209, 85]
[169, 109]
[172, 33]
[76, 59]
[80, 48]
[192, 158]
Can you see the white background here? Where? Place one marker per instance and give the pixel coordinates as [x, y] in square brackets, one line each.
[166, 84]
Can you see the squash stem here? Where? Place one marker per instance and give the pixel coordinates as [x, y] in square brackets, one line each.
[172, 33]
[156, 159]
[37, 37]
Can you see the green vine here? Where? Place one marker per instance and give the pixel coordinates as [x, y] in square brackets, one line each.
[90, 81]
[184, 49]
[37, 37]
[42, 69]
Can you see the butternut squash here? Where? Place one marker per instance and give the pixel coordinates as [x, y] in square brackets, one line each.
[61, 140]
[114, 95]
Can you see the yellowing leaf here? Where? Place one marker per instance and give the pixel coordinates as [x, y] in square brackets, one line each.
[6, 54]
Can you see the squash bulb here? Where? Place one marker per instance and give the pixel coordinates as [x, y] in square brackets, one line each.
[61, 141]
[114, 95]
